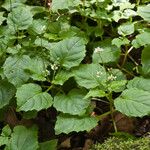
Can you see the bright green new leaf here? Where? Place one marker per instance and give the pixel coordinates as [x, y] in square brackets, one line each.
[62, 76]
[4, 137]
[90, 75]
[144, 12]
[69, 52]
[73, 103]
[7, 91]
[95, 93]
[23, 138]
[20, 18]
[64, 4]
[126, 29]
[105, 52]
[67, 124]
[6, 131]
[14, 69]
[133, 102]
[139, 83]
[117, 86]
[146, 61]
[48, 145]
[120, 41]
[4, 140]
[30, 97]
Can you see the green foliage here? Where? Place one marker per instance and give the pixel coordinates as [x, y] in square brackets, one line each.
[72, 103]
[68, 123]
[7, 91]
[122, 144]
[67, 55]
[30, 97]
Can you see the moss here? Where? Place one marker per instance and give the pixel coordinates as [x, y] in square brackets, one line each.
[115, 143]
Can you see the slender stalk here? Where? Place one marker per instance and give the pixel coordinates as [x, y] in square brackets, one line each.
[50, 87]
[100, 117]
[125, 70]
[109, 97]
[126, 54]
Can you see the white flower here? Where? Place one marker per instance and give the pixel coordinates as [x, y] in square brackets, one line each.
[47, 72]
[109, 69]
[54, 66]
[98, 73]
[111, 77]
[98, 49]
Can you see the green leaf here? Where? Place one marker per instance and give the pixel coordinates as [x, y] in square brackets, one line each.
[2, 18]
[146, 61]
[6, 131]
[55, 27]
[120, 41]
[37, 69]
[69, 52]
[142, 39]
[119, 2]
[37, 27]
[126, 29]
[144, 12]
[64, 4]
[139, 83]
[14, 69]
[14, 49]
[20, 18]
[36, 9]
[67, 124]
[42, 43]
[133, 102]
[72, 103]
[62, 76]
[106, 53]
[90, 75]
[48, 145]
[8, 5]
[23, 139]
[117, 86]
[30, 97]
[95, 93]
[116, 74]
[4, 138]
[7, 91]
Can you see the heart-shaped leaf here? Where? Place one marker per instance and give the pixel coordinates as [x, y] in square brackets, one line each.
[72, 103]
[69, 52]
[30, 97]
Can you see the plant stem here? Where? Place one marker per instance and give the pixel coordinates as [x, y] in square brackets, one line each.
[50, 87]
[103, 115]
[137, 2]
[109, 97]
[125, 70]
[126, 54]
